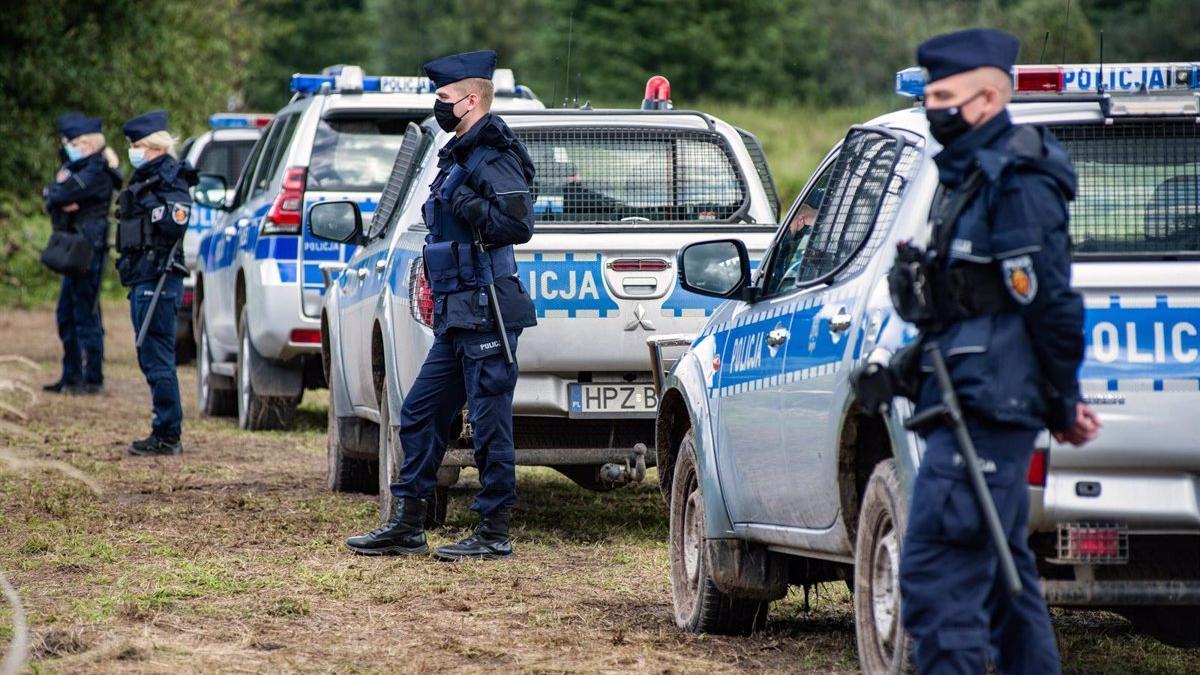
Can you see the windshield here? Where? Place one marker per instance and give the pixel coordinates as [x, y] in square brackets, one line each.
[610, 175]
[356, 154]
[1139, 188]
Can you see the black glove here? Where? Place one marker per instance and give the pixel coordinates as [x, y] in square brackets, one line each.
[874, 387]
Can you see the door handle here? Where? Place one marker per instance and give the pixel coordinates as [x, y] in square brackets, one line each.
[777, 337]
[840, 322]
[230, 231]
[362, 272]
[380, 266]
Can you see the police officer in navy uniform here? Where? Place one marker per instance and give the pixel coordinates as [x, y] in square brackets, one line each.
[153, 212]
[1011, 330]
[79, 200]
[483, 185]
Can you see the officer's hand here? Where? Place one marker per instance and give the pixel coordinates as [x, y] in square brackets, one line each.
[71, 208]
[1086, 428]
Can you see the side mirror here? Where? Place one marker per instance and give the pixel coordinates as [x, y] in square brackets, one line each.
[339, 222]
[211, 191]
[718, 269]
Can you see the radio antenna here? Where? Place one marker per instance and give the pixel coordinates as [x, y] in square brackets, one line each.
[1045, 41]
[567, 74]
[1066, 32]
[1100, 75]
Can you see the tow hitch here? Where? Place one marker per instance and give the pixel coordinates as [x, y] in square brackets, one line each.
[632, 471]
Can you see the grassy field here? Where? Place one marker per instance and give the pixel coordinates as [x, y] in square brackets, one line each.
[230, 558]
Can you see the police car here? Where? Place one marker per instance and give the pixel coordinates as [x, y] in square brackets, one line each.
[774, 476]
[258, 277]
[616, 193]
[220, 151]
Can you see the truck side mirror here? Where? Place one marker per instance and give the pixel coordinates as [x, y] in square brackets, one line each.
[718, 269]
[339, 222]
[211, 191]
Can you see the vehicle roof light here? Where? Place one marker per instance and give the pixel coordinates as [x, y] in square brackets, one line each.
[658, 94]
[1083, 78]
[238, 121]
[350, 79]
[504, 82]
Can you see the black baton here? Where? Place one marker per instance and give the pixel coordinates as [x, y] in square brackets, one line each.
[954, 414]
[145, 328]
[493, 301]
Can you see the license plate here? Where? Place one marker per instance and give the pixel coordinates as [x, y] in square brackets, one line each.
[613, 400]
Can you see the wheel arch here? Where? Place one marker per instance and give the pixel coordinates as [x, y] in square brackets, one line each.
[864, 440]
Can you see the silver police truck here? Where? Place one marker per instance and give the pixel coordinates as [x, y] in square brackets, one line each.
[772, 474]
[616, 193]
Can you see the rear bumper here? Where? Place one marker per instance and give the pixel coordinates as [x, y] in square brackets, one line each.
[1120, 593]
[1141, 499]
[275, 313]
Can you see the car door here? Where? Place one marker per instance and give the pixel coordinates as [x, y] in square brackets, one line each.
[826, 283]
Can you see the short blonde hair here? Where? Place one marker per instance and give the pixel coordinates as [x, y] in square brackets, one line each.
[481, 87]
[159, 140]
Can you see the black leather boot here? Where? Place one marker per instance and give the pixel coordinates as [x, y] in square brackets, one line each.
[404, 534]
[153, 445]
[489, 541]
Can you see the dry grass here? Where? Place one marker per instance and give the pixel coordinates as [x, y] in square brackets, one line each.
[229, 558]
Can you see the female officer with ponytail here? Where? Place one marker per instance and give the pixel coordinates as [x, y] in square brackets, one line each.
[78, 201]
[153, 213]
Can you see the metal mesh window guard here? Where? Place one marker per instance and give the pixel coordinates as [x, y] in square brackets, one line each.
[1139, 187]
[630, 175]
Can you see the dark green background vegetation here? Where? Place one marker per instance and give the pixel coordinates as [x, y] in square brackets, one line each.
[773, 64]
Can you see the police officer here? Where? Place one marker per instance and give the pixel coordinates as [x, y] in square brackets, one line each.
[78, 200]
[153, 213]
[483, 187]
[1011, 329]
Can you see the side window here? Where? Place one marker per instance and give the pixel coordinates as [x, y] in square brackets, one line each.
[281, 137]
[865, 177]
[243, 190]
[398, 183]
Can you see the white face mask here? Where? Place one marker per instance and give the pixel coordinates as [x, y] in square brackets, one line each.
[137, 157]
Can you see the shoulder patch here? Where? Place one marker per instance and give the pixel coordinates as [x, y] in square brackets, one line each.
[180, 213]
[158, 213]
[1020, 278]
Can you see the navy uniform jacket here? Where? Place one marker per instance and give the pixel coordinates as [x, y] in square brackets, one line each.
[88, 182]
[1017, 367]
[484, 182]
[165, 200]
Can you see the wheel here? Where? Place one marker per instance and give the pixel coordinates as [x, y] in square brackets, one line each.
[215, 395]
[256, 413]
[346, 474]
[586, 476]
[1174, 626]
[391, 457]
[883, 646]
[700, 607]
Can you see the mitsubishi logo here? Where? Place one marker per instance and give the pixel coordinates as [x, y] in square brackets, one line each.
[639, 319]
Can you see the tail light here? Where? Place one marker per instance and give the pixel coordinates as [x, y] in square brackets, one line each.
[420, 299]
[284, 216]
[638, 265]
[188, 296]
[310, 336]
[1037, 469]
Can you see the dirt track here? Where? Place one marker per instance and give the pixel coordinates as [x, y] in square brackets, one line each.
[230, 558]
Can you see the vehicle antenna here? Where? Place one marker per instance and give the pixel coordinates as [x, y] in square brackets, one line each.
[1045, 41]
[1066, 32]
[567, 73]
[1100, 78]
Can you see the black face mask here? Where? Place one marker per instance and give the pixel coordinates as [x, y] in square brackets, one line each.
[443, 112]
[947, 124]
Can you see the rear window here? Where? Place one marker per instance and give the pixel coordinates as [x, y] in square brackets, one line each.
[1139, 188]
[356, 153]
[225, 158]
[613, 175]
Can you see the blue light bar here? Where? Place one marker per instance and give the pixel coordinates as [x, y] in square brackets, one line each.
[311, 84]
[1114, 78]
[238, 121]
[910, 82]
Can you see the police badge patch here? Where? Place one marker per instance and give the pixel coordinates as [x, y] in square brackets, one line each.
[157, 214]
[180, 213]
[1020, 279]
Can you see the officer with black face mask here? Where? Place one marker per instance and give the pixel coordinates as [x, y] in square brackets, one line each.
[996, 300]
[479, 206]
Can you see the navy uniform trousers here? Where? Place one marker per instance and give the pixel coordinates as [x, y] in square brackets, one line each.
[79, 325]
[954, 602]
[156, 357]
[462, 367]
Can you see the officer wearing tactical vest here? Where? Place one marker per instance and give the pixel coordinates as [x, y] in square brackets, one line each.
[482, 189]
[78, 200]
[153, 212]
[1011, 328]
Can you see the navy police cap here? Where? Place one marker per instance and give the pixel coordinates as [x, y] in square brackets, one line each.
[145, 124]
[451, 69]
[955, 53]
[74, 125]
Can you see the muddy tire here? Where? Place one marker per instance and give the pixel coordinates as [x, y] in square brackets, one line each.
[391, 457]
[215, 395]
[883, 645]
[345, 473]
[700, 607]
[1174, 626]
[255, 412]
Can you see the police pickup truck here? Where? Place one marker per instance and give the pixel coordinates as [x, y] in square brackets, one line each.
[616, 193]
[220, 151]
[258, 279]
[774, 476]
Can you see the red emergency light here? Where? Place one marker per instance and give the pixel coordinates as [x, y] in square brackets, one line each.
[658, 94]
[1033, 79]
